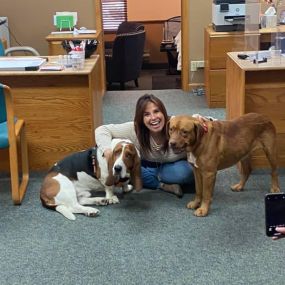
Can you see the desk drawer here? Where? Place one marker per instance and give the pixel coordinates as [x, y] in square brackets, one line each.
[216, 88]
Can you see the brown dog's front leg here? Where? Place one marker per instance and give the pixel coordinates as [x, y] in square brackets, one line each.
[209, 179]
[198, 188]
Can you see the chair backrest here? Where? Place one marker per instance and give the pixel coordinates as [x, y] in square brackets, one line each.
[129, 27]
[21, 49]
[3, 114]
[171, 28]
[127, 56]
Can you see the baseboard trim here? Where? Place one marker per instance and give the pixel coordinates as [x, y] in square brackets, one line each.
[193, 86]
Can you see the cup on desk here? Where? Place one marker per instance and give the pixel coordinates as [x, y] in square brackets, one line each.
[77, 59]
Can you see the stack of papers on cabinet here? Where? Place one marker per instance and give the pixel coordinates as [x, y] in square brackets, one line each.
[27, 63]
[75, 32]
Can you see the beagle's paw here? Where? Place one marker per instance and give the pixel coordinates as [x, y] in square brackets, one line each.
[91, 212]
[113, 200]
[128, 188]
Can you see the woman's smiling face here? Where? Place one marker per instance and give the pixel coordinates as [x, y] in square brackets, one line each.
[153, 118]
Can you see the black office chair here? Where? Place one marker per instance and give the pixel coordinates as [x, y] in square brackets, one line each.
[124, 27]
[128, 27]
[171, 28]
[125, 62]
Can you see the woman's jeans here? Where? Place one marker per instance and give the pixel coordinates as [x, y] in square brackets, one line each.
[178, 172]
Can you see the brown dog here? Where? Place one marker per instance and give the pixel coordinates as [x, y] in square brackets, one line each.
[212, 146]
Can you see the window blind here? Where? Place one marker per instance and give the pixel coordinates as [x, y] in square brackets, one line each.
[114, 12]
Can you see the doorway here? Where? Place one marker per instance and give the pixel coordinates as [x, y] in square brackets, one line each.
[170, 82]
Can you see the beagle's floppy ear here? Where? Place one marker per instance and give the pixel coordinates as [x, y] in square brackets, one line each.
[110, 179]
[136, 173]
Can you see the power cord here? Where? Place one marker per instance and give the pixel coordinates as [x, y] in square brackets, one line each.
[10, 32]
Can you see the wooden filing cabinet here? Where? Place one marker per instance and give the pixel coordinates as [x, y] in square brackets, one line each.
[258, 88]
[216, 46]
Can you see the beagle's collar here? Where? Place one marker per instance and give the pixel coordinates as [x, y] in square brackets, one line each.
[94, 161]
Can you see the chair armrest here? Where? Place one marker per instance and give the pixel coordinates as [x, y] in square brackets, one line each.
[23, 49]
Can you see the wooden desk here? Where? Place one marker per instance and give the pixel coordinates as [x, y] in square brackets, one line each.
[258, 88]
[61, 110]
[216, 46]
[55, 48]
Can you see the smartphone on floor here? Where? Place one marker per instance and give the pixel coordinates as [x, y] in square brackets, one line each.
[274, 213]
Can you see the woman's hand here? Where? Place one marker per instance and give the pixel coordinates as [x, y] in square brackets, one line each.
[108, 153]
[203, 119]
[279, 230]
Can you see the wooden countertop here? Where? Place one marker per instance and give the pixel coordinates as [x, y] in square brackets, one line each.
[62, 37]
[273, 63]
[277, 29]
[88, 66]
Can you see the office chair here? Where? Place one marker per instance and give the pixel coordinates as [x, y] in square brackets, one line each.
[128, 27]
[11, 50]
[12, 133]
[125, 62]
[124, 28]
[171, 28]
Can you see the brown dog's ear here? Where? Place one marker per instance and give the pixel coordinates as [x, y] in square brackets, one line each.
[199, 131]
[167, 128]
[110, 179]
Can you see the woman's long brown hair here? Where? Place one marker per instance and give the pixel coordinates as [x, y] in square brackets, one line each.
[142, 131]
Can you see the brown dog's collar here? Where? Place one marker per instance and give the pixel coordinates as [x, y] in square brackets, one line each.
[205, 127]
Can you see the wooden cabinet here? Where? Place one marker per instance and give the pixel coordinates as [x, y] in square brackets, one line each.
[258, 88]
[61, 109]
[55, 44]
[217, 44]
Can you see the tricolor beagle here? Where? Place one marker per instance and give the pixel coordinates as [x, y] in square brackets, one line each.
[69, 183]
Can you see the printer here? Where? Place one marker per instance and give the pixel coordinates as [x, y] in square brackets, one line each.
[228, 15]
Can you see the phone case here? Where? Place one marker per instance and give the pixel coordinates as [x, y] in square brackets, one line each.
[274, 212]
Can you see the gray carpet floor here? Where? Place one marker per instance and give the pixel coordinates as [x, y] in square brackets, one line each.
[150, 237]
